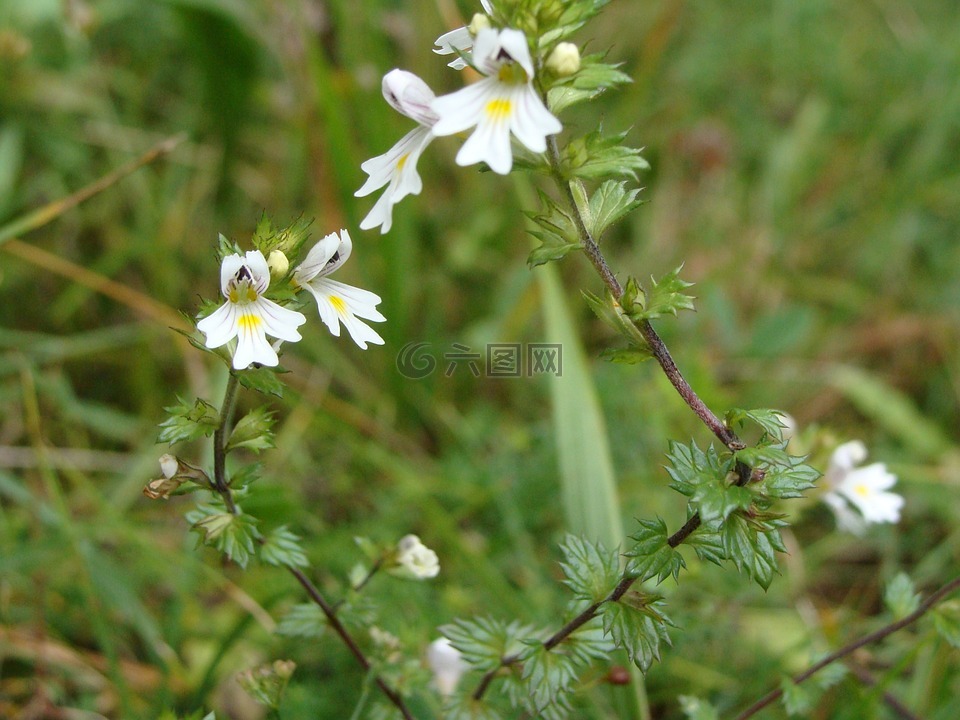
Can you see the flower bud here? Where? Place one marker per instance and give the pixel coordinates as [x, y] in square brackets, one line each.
[564, 60]
[414, 560]
[278, 264]
[446, 664]
[478, 23]
[175, 473]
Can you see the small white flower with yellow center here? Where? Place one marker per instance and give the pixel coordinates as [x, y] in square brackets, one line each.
[336, 301]
[447, 665]
[414, 560]
[461, 40]
[247, 315]
[397, 168]
[502, 103]
[864, 488]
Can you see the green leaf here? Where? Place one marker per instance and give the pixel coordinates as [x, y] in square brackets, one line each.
[233, 535]
[557, 234]
[484, 641]
[609, 204]
[588, 643]
[652, 555]
[226, 247]
[547, 675]
[254, 431]
[189, 422]
[830, 675]
[596, 156]
[265, 381]
[797, 700]
[697, 709]
[900, 597]
[282, 548]
[707, 542]
[706, 479]
[591, 570]
[466, 707]
[751, 550]
[592, 79]
[664, 297]
[788, 481]
[627, 355]
[637, 624]
[304, 620]
[769, 420]
[946, 619]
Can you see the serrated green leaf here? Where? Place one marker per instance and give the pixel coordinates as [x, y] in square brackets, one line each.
[768, 419]
[690, 466]
[254, 431]
[263, 235]
[189, 422]
[797, 699]
[609, 204]
[467, 707]
[588, 643]
[637, 624]
[592, 79]
[752, 551]
[707, 543]
[664, 297]
[226, 247]
[557, 234]
[828, 676]
[597, 156]
[591, 570]
[233, 535]
[789, 481]
[901, 597]
[264, 380]
[651, 555]
[946, 619]
[484, 641]
[697, 709]
[282, 548]
[303, 620]
[548, 675]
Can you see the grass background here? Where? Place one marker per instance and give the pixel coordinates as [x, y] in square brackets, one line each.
[804, 168]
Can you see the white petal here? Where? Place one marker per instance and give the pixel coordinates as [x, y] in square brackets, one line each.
[849, 454]
[252, 345]
[338, 303]
[531, 122]
[404, 180]
[463, 109]
[259, 269]
[360, 302]
[316, 259]
[229, 267]
[513, 43]
[381, 214]
[489, 143]
[409, 95]
[220, 326]
[383, 168]
[486, 48]
[279, 322]
[459, 39]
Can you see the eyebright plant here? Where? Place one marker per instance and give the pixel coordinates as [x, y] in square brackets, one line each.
[531, 74]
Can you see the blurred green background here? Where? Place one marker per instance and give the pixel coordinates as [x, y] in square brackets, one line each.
[804, 168]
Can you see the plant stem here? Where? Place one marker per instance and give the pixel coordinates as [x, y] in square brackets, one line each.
[222, 487]
[873, 637]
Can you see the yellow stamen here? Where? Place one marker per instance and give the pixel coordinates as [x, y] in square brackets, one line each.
[861, 490]
[498, 109]
[338, 304]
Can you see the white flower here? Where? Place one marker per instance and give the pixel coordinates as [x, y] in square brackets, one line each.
[864, 488]
[397, 168]
[415, 560]
[502, 103]
[447, 665]
[460, 40]
[336, 301]
[247, 315]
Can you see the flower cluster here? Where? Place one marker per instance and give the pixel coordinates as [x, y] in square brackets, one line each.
[249, 316]
[859, 496]
[502, 104]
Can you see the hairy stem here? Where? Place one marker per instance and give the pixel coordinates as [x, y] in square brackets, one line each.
[222, 487]
[924, 607]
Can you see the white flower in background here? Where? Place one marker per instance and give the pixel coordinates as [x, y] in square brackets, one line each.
[336, 301]
[864, 488]
[502, 103]
[247, 315]
[461, 40]
[446, 664]
[397, 168]
[415, 560]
